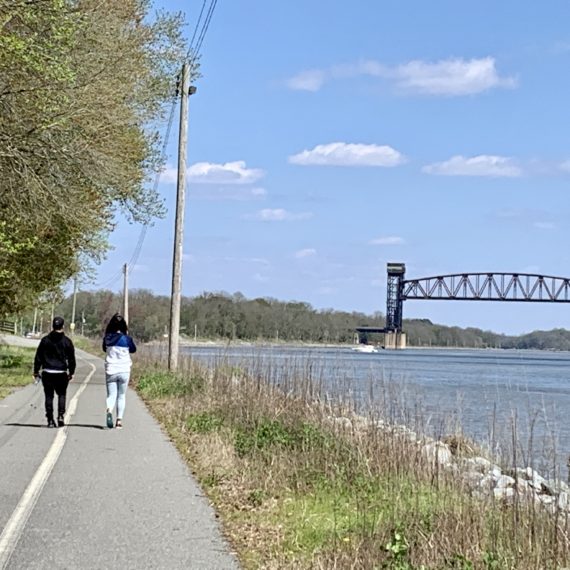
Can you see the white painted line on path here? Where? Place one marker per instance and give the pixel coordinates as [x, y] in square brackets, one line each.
[17, 522]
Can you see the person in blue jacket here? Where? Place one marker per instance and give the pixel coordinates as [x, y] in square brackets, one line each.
[119, 346]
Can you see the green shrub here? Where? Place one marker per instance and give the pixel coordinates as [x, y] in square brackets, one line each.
[274, 433]
[11, 360]
[159, 384]
[398, 549]
[205, 422]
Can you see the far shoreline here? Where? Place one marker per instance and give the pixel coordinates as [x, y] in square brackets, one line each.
[188, 343]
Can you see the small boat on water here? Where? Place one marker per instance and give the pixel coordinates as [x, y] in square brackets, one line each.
[366, 348]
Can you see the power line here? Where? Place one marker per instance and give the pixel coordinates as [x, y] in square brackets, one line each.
[196, 52]
[195, 30]
[111, 281]
[205, 27]
[193, 50]
[140, 242]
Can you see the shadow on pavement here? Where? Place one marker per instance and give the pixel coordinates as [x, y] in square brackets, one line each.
[44, 426]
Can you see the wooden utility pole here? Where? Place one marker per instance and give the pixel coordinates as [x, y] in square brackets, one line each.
[72, 323]
[174, 333]
[126, 293]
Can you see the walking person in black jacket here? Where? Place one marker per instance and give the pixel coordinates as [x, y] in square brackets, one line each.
[55, 356]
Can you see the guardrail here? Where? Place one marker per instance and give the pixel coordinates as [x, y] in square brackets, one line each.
[8, 327]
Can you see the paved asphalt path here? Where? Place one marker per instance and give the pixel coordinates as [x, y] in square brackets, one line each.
[86, 497]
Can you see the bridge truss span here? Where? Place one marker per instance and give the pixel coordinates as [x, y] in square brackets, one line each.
[488, 287]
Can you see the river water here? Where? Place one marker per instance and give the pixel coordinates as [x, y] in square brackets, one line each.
[484, 393]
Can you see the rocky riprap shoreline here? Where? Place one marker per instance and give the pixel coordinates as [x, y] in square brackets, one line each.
[483, 478]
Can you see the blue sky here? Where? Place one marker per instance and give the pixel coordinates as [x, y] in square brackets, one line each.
[328, 138]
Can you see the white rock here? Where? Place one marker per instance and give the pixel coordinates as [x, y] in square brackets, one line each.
[563, 501]
[533, 477]
[437, 452]
[380, 424]
[555, 486]
[523, 488]
[487, 483]
[412, 436]
[477, 464]
[496, 471]
[342, 422]
[505, 494]
[504, 482]
[520, 473]
[452, 468]
[539, 484]
[528, 474]
[360, 422]
[472, 479]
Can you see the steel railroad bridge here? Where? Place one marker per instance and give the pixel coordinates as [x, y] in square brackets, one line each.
[492, 286]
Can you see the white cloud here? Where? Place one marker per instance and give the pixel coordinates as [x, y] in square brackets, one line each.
[260, 260]
[236, 193]
[544, 225]
[510, 214]
[348, 154]
[212, 173]
[388, 240]
[311, 80]
[529, 218]
[448, 77]
[257, 260]
[227, 173]
[482, 165]
[169, 174]
[326, 290]
[141, 268]
[451, 77]
[565, 166]
[302, 253]
[261, 278]
[560, 48]
[279, 215]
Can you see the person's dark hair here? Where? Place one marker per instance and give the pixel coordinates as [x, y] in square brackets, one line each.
[117, 324]
[57, 324]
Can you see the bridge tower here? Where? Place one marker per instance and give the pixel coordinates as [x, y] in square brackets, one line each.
[394, 337]
[396, 275]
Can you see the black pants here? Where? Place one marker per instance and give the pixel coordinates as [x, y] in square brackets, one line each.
[58, 383]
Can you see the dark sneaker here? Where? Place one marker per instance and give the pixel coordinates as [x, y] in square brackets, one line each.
[50, 423]
[109, 420]
[60, 421]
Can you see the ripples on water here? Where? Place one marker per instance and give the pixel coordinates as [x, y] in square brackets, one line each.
[485, 392]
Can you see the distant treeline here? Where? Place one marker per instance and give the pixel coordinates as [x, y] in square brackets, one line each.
[220, 316]
[422, 332]
[233, 317]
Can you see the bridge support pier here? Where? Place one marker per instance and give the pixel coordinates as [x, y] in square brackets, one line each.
[394, 340]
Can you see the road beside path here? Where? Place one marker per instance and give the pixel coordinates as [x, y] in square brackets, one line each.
[19, 341]
[113, 499]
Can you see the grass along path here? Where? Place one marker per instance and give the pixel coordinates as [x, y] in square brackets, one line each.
[296, 489]
[16, 368]
[17, 363]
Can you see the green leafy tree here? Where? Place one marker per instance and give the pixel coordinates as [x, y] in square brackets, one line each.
[83, 88]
